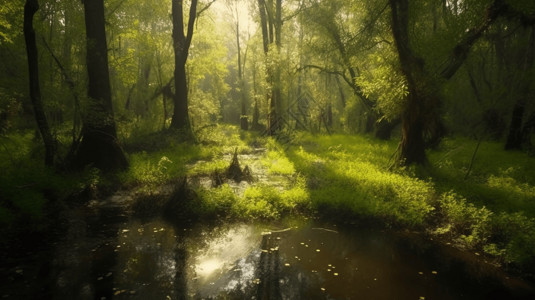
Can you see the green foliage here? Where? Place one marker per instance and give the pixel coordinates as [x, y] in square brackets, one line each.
[464, 219]
[385, 85]
[276, 160]
[500, 180]
[349, 173]
[27, 187]
[513, 238]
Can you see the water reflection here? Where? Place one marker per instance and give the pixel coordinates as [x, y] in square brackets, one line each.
[152, 259]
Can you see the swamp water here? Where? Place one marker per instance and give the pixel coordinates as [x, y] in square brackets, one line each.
[120, 257]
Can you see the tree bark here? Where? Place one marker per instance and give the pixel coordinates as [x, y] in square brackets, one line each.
[30, 8]
[99, 147]
[181, 45]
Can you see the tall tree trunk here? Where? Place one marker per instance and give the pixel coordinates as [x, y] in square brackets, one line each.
[244, 122]
[412, 146]
[181, 45]
[517, 136]
[266, 16]
[99, 146]
[30, 8]
[275, 72]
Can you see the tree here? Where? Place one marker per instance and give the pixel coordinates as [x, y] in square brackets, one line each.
[30, 8]
[233, 6]
[99, 145]
[271, 24]
[350, 35]
[518, 134]
[420, 115]
[181, 45]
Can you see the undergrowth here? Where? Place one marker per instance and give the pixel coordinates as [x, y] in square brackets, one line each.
[340, 176]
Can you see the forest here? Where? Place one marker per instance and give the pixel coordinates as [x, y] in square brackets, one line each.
[267, 149]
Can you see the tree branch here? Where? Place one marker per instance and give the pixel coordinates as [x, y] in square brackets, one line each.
[356, 89]
[460, 51]
[205, 8]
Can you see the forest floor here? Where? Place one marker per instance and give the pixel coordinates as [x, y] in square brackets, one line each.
[341, 178]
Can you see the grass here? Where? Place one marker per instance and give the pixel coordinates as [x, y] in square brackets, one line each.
[345, 177]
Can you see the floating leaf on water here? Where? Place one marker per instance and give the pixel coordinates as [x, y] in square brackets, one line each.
[119, 292]
[434, 272]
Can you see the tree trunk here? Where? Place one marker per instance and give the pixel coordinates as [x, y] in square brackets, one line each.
[99, 146]
[516, 136]
[181, 45]
[411, 148]
[244, 123]
[30, 8]
[275, 73]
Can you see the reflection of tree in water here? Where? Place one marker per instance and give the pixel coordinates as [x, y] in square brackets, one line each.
[277, 279]
[181, 255]
[268, 270]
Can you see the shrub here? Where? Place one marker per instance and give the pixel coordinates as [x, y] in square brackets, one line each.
[465, 219]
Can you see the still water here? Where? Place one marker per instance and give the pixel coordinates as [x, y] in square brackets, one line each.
[151, 259]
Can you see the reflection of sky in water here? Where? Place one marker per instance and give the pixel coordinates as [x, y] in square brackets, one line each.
[222, 252]
[313, 264]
